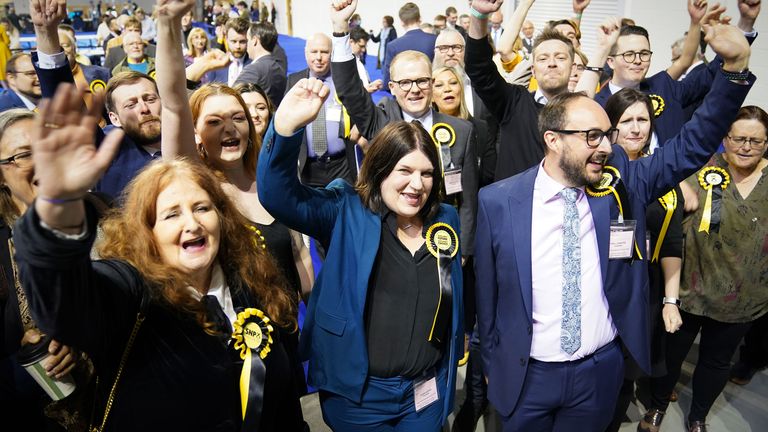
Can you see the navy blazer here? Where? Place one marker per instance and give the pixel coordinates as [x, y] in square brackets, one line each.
[93, 73]
[333, 336]
[221, 75]
[503, 246]
[416, 40]
[9, 99]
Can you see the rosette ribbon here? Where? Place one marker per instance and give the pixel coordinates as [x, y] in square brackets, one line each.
[714, 180]
[253, 338]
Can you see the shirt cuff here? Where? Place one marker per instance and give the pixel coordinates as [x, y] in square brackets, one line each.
[51, 61]
[342, 51]
[751, 34]
[65, 236]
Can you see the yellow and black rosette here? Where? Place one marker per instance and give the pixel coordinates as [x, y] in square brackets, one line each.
[258, 237]
[658, 104]
[714, 180]
[669, 204]
[610, 183]
[97, 86]
[443, 134]
[443, 243]
[152, 74]
[253, 339]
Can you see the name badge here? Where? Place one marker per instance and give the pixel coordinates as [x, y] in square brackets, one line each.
[333, 113]
[453, 181]
[425, 391]
[622, 239]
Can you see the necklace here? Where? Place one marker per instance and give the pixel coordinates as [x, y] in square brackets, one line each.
[406, 227]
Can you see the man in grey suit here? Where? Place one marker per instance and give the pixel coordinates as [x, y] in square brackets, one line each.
[264, 68]
[411, 85]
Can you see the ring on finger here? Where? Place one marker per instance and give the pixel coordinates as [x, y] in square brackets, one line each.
[52, 125]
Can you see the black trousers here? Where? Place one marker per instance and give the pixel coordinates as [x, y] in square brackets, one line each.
[754, 352]
[717, 345]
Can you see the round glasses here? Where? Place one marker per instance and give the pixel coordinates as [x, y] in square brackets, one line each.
[406, 85]
[593, 137]
[631, 56]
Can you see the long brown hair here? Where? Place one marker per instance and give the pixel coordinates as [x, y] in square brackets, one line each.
[128, 236]
[254, 139]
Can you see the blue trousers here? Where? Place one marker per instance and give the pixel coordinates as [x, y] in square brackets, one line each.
[387, 406]
[577, 396]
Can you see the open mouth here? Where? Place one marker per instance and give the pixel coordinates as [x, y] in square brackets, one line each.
[194, 245]
[449, 98]
[230, 143]
[412, 199]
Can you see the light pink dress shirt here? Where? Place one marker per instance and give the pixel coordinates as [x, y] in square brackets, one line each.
[597, 327]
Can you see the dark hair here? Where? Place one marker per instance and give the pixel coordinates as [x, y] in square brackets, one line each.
[266, 33]
[391, 144]
[630, 30]
[752, 112]
[625, 98]
[409, 13]
[549, 34]
[239, 25]
[439, 18]
[123, 78]
[390, 21]
[554, 23]
[450, 10]
[554, 114]
[357, 33]
[221, 20]
[132, 22]
[244, 87]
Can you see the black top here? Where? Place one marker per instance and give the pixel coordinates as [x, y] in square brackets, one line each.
[400, 308]
[177, 377]
[520, 145]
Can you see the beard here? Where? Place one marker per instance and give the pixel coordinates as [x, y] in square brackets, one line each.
[575, 171]
[145, 132]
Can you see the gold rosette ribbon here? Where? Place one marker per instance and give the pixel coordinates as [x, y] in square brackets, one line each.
[443, 244]
[658, 104]
[669, 204]
[444, 137]
[253, 338]
[97, 86]
[610, 183]
[714, 180]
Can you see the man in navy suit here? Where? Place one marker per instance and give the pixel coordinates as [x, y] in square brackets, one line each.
[23, 84]
[561, 281]
[236, 32]
[414, 39]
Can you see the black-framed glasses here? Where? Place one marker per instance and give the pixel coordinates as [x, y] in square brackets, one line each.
[406, 85]
[630, 56]
[444, 48]
[754, 143]
[593, 136]
[31, 74]
[21, 160]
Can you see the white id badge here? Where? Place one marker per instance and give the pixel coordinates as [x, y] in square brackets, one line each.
[425, 391]
[453, 181]
[333, 112]
[622, 239]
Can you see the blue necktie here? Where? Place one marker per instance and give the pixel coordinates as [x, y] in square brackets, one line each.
[570, 329]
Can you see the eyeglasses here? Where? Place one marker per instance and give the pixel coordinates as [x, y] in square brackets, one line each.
[630, 56]
[406, 85]
[754, 143]
[32, 74]
[593, 136]
[21, 160]
[444, 48]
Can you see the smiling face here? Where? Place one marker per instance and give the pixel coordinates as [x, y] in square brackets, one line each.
[187, 229]
[447, 91]
[222, 129]
[23, 79]
[17, 139]
[415, 102]
[744, 157]
[259, 110]
[629, 74]
[407, 187]
[634, 129]
[318, 54]
[552, 65]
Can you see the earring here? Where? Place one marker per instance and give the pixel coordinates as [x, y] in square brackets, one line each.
[202, 152]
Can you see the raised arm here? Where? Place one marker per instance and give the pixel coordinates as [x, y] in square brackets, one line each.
[607, 34]
[696, 10]
[579, 6]
[178, 131]
[512, 30]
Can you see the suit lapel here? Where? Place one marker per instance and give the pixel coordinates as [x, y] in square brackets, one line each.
[520, 209]
[600, 208]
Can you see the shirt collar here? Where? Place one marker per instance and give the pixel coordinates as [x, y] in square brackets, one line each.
[28, 103]
[426, 119]
[540, 98]
[548, 187]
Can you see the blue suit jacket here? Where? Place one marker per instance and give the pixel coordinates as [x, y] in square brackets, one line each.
[221, 75]
[92, 72]
[333, 337]
[9, 99]
[503, 246]
[416, 40]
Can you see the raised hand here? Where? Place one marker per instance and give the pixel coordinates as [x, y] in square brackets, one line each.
[300, 106]
[726, 40]
[67, 163]
[580, 5]
[487, 6]
[696, 10]
[341, 12]
[608, 32]
[173, 9]
[748, 11]
[47, 13]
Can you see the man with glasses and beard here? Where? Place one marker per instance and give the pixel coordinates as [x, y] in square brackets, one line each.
[23, 84]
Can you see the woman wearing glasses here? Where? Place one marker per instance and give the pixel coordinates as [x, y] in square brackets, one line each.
[723, 279]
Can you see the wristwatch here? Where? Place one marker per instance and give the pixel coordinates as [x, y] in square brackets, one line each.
[671, 300]
[735, 76]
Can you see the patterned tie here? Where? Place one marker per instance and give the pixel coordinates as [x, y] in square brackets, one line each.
[319, 136]
[570, 329]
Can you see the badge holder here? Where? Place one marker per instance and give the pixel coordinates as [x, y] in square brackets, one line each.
[425, 390]
[622, 238]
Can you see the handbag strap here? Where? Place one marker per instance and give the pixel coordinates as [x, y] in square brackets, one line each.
[26, 318]
[123, 359]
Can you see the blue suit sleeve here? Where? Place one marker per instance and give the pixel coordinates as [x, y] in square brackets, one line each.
[486, 288]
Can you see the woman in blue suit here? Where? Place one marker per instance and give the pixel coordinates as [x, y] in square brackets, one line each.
[383, 331]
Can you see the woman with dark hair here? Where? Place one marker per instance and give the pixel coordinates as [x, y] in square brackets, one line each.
[183, 304]
[386, 35]
[384, 320]
[723, 280]
[259, 105]
[631, 112]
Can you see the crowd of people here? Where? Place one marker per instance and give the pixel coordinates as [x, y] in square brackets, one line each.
[562, 222]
